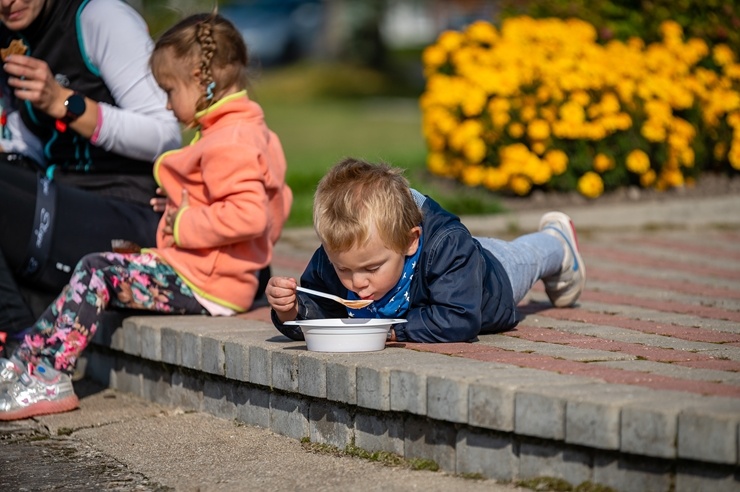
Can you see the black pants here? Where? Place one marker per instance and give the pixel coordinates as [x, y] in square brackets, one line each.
[85, 222]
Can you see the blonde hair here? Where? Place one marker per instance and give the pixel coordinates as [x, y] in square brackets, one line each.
[356, 198]
[213, 43]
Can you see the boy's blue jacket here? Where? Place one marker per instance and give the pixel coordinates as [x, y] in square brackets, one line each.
[458, 291]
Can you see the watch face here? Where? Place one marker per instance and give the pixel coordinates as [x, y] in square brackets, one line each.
[75, 106]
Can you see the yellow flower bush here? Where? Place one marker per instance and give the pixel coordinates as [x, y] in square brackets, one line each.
[541, 104]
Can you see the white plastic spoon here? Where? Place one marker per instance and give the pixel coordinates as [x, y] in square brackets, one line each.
[358, 304]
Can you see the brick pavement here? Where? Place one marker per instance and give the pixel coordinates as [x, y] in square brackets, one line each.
[661, 310]
[636, 388]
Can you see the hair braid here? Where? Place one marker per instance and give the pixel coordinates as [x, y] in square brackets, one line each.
[204, 36]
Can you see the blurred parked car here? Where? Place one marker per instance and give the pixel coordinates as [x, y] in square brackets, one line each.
[277, 31]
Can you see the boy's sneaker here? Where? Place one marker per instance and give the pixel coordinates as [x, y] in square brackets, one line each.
[43, 390]
[564, 288]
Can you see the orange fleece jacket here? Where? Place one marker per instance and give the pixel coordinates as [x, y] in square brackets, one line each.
[234, 173]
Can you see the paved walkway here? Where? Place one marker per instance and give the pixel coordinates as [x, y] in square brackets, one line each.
[636, 388]
[661, 307]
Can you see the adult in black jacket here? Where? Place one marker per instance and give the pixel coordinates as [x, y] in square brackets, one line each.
[82, 122]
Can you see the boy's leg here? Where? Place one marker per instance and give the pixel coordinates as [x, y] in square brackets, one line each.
[526, 259]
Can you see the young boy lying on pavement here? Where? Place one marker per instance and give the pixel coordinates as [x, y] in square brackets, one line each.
[384, 241]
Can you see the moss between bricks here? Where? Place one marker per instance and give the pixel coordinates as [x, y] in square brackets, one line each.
[552, 484]
[382, 457]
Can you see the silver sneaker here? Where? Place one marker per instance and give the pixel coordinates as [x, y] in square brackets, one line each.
[564, 288]
[43, 390]
[10, 370]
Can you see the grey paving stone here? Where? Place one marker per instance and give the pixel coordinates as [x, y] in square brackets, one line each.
[285, 370]
[675, 371]
[187, 391]
[409, 382]
[491, 402]
[151, 341]
[128, 376]
[213, 357]
[553, 349]
[156, 383]
[594, 418]
[373, 378]
[692, 477]
[380, 433]
[650, 426]
[710, 433]
[289, 416]
[488, 454]
[260, 365]
[632, 474]
[101, 367]
[218, 399]
[312, 374]
[252, 405]
[330, 424]
[191, 350]
[236, 360]
[540, 410]
[341, 381]
[171, 346]
[427, 439]
[131, 337]
[552, 460]
[447, 391]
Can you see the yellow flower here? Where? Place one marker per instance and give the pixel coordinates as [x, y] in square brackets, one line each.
[671, 30]
[539, 148]
[437, 164]
[734, 155]
[603, 163]
[433, 56]
[647, 179]
[495, 179]
[473, 175]
[581, 97]
[720, 149]
[590, 185]
[516, 130]
[520, 184]
[638, 162]
[653, 131]
[474, 150]
[572, 112]
[450, 40]
[482, 32]
[538, 129]
[558, 161]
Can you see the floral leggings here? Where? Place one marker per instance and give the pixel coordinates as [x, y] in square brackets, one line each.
[137, 281]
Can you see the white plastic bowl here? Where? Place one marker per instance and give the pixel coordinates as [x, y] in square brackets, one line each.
[345, 334]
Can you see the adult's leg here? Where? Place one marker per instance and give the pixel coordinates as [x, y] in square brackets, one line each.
[84, 223]
[526, 259]
[137, 281]
[17, 208]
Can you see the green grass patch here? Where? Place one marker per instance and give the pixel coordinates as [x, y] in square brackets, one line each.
[319, 124]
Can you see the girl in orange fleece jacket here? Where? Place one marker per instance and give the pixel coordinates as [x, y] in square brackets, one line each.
[227, 202]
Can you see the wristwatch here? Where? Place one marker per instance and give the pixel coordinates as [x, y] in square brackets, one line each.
[75, 107]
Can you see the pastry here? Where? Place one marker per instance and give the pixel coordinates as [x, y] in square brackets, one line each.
[16, 47]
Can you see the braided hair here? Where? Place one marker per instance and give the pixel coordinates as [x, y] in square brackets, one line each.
[209, 41]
